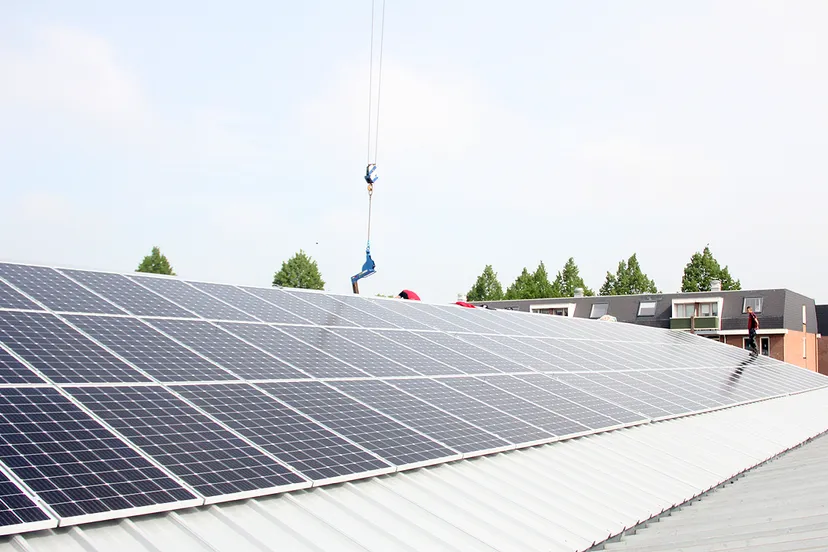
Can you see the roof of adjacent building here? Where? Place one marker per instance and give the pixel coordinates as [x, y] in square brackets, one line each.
[564, 496]
[778, 506]
[781, 308]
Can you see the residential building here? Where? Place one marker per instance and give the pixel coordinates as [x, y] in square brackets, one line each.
[822, 347]
[788, 320]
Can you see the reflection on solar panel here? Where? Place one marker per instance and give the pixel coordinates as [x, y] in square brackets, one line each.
[151, 393]
[54, 290]
[204, 455]
[313, 450]
[387, 438]
[14, 371]
[349, 351]
[249, 303]
[474, 411]
[11, 299]
[191, 299]
[126, 293]
[159, 356]
[75, 465]
[437, 424]
[60, 352]
[296, 353]
[242, 359]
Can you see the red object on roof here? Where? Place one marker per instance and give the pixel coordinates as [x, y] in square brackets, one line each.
[410, 295]
[464, 304]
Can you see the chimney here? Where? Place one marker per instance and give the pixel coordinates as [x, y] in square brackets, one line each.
[715, 285]
[579, 292]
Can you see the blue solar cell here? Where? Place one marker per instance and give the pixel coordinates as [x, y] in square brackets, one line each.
[249, 303]
[11, 299]
[54, 290]
[315, 451]
[340, 309]
[74, 464]
[410, 309]
[16, 508]
[430, 420]
[209, 458]
[378, 433]
[390, 318]
[531, 359]
[449, 357]
[491, 361]
[298, 354]
[14, 371]
[149, 350]
[61, 353]
[191, 299]
[127, 294]
[243, 359]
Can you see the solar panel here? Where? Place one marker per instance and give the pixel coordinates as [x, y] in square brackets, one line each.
[59, 352]
[389, 318]
[410, 309]
[614, 391]
[436, 351]
[556, 359]
[298, 354]
[476, 324]
[300, 308]
[385, 437]
[157, 355]
[127, 294]
[12, 371]
[493, 362]
[646, 382]
[18, 512]
[479, 413]
[349, 351]
[437, 424]
[313, 450]
[249, 303]
[587, 409]
[343, 310]
[242, 359]
[206, 456]
[487, 391]
[191, 299]
[509, 322]
[575, 419]
[390, 348]
[11, 299]
[75, 465]
[54, 290]
[529, 358]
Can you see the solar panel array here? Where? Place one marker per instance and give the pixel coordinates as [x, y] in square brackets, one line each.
[123, 394]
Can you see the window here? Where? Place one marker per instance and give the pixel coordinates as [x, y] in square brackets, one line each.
[647, 308]
[764, 345]
[556, 311]
[599, 310]
[753, 302]
[708, 309]
[685, 310]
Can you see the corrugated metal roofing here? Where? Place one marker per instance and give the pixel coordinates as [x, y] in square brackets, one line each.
[563, 496]
[779, 506]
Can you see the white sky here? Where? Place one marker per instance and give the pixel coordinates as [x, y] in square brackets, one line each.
[232, 135]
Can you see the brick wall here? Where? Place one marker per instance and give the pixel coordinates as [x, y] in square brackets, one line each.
[777, 344]
[793, 349]
[822, 356]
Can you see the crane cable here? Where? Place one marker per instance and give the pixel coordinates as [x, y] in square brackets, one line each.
[370, 104]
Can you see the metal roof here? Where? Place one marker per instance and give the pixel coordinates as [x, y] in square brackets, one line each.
[779, 506]
[558, 497]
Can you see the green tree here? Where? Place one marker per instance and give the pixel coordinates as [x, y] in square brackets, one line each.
[300, 271]
[569, 279]
[543, 288]
[523, 287]
[487, 287]
[703, 268]
[628, 280]
[156, 263]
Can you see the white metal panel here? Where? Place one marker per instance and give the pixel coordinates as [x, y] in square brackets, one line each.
[561, 496]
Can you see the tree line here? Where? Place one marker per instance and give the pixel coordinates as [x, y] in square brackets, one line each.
[301, 271]
[628, 279]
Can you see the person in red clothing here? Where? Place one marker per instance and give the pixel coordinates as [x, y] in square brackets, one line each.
[753, 325]
[408, 294]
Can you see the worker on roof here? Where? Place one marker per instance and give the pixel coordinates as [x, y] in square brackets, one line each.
[408, 294]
